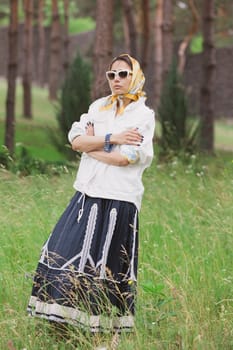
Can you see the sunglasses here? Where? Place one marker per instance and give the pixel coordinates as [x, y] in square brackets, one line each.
[122, 74]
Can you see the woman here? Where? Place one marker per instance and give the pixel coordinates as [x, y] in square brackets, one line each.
[87, 272]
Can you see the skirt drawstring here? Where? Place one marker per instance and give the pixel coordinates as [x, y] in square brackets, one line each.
[80, 212]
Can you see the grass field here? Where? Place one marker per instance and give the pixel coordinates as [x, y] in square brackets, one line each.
[185, 287]
[33, 134]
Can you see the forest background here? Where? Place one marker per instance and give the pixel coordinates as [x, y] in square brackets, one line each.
[185, 273]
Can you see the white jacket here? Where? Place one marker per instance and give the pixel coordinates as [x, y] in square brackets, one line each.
[97, 179]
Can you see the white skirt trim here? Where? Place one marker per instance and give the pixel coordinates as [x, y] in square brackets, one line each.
[76, 317]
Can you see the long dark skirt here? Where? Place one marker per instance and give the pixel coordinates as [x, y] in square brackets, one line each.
[87, 271]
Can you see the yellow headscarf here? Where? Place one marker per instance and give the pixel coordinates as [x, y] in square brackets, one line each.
[135, 89]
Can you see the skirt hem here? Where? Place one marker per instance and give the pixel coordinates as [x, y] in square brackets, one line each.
[75, 317]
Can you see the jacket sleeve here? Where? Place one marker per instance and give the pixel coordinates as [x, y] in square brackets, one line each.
[146, 149]
[144, 152]
[78, 128]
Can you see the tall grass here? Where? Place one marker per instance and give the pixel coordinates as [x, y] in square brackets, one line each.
[187, 250]
[33, 134]
[185, 273]
[185, 282]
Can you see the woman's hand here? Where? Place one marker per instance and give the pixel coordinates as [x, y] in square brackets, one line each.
[90, 129]
[128, 137]
[88, 142]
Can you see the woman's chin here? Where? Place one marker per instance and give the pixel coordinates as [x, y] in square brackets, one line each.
[118, 91]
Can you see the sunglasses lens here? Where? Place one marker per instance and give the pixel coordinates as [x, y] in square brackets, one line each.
[123, 74]
[110, 75]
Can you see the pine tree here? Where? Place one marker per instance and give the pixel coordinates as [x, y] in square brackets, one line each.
[178, 134]
[73, 101]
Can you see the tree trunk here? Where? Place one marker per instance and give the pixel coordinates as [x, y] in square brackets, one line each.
[192, 31]
[66, 36]
[55, 52]
[207, 90]
[158, 54]
[167, 28]
[126, 34]
[11, 76]
[145, 33]
[41, 43]
[103, 46]
[27, 73]
[128, 10]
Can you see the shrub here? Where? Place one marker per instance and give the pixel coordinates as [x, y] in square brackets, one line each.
[178, 133]
[73, 101]
[23, 164]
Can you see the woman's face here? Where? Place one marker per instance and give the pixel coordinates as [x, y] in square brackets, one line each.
[118, 85]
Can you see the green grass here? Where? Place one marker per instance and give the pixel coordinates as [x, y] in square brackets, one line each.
[76, 24]
[33, 134]
[186, 249]
[80, 25]
[185, 273]
[185, 283]
[224, 134]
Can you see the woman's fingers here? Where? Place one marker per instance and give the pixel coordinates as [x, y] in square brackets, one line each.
[133, 137]
[128, 137]
[134, 134]
[90, 129]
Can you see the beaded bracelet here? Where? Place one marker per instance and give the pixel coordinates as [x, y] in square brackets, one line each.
[107, 145]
